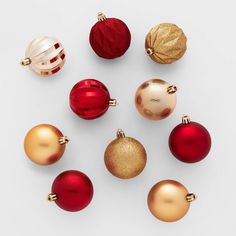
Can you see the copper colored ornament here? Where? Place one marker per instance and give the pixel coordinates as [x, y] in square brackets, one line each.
[125, 157]
[45, 56]
[155, 99]
[165, 43]
[169, 200]
[45, 144]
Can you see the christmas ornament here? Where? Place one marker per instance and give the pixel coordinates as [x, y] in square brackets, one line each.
[45, 56]
[125, 157]
[72, 190]
[155, 99]
[109, 37]
[90, 99]
[169, 200]
[165, 43]
[190, 141]
[45, 144]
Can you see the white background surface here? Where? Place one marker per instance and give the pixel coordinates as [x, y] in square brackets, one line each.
[205, 77]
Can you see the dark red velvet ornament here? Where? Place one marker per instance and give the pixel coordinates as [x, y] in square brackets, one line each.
[109, 37]
[90, 99]
[190, 141]
[72, 190]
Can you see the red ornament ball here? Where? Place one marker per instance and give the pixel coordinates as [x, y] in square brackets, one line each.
[109, 37]
[72, 190]
[90, 99]
[190, 141]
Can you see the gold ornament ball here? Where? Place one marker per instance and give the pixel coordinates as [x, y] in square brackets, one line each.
[155, 99]
[165, 43]
[45, 56]
[125, 157]
[44, 144]
[169, 200]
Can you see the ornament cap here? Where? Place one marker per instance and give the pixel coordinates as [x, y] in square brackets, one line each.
[52, 197]
[190, 197]
[63, 140]
[172, 89]
[101, 16]
[149, 51]
[185, 119]
[25, 62]
[120, 133]
[113, 102]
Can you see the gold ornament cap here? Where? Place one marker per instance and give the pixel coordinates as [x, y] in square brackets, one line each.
[185, 119]
[125, 157]
[52, 197]
[101, 16]
[166, 43]
[169, 200]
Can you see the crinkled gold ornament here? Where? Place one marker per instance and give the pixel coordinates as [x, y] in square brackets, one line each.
[165, 43]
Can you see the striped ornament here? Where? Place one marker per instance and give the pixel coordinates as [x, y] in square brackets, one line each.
[45, 56]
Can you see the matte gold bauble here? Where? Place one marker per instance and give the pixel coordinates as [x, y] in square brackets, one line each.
[169, 200]
[45, 56]
[155, 99]
[165, 43]
[125, 157]
[44, 144]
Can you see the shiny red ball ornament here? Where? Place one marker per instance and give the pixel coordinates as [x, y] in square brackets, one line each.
[109, 37]
[190, 141]
[90, 99]
[72, 190]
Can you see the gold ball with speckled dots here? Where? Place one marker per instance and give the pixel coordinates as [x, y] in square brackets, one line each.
[125, 157]
[166, 43]
[155, 99]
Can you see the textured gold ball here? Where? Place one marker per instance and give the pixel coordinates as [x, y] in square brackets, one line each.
[165, 43]
[169, 200]
[44, 144]
[155, 99]
[125, 157]
[45, 56]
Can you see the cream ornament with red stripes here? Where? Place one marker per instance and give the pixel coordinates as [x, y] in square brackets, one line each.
[45, 56]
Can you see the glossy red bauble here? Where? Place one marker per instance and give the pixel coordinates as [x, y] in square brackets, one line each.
[190, 141]
[72, 190]
[90, 99]
[109, 37]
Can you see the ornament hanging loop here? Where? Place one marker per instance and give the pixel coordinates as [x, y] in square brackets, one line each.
[25, 62]
[113, 102]
[171, 89]
[149, 51]
[52, 197]
[63, 140]
[120, 133]
[185, 119]
[191, 197]
[101, 16]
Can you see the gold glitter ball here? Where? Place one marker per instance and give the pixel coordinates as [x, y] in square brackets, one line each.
[165, 43]
[125, 157]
